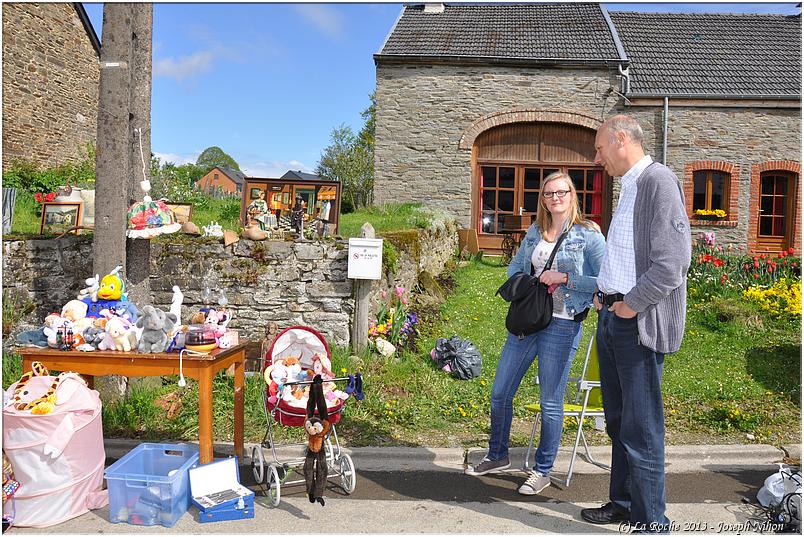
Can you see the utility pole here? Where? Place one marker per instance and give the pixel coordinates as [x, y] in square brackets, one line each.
[124, 104]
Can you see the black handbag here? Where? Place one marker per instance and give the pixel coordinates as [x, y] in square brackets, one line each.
[531, 307]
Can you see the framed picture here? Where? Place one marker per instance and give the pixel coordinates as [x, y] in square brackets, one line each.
[286, 198]
[59, 216]
[254, 193]
[183, 211]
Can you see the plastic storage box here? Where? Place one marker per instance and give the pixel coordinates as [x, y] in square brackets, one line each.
[151, 485]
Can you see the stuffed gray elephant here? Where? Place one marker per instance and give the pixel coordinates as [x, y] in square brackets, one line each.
[155, 324]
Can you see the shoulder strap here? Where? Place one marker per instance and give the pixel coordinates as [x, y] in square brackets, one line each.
[555, 250]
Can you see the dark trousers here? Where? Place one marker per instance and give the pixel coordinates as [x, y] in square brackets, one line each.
[631, 377]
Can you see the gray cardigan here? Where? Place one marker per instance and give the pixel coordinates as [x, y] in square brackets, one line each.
[662, 249]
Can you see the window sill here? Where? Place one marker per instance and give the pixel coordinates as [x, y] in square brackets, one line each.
[713, 223]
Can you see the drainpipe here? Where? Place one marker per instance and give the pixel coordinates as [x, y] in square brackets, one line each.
[626, 78]
[664, 130]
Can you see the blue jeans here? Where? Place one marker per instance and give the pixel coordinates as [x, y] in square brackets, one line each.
[631, 378]
[555, 346]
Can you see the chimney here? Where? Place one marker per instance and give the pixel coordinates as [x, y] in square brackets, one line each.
[434, 7]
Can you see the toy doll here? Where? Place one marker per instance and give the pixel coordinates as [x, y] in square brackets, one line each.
[317, 427]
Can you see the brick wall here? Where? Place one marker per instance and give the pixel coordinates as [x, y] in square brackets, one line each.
[216, 178]
[50, 84]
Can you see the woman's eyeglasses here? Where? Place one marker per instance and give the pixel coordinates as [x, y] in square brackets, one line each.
[559, 193]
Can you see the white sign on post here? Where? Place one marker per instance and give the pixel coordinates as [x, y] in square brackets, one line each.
[365, 259]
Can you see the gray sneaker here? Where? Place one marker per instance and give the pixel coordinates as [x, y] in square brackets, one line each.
[485, 466]
[534, 484]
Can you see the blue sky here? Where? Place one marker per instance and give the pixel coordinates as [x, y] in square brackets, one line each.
[267, 83]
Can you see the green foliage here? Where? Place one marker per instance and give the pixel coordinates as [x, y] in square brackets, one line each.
[389, 217]
[28, 176]
[390, 257]
[12, 369]
[225, 211]
[350, 159]
[16, 305]
[215, 156]
[175, 183]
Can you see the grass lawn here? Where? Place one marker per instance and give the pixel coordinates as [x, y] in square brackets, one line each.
[737, 374]
[389, 217]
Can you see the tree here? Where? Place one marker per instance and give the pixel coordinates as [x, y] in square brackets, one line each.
[215, 156]
[350, 159]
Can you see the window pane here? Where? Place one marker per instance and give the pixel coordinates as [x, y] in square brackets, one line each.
[778, 226]
[506, 177]
[489, 176]
[781, 185]
[488, 200]
[577, 178]
[765, 225]
[718, 190]
[590, 180]
[766, 205]
[548, 171]
[699, 190]
[531, 202]
[505, 200]
[488, 223]
[532, 178]
[779, 205]
[586, 206]
[500, 223]
[767, 184]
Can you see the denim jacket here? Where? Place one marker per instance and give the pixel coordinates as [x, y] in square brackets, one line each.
[579, 255]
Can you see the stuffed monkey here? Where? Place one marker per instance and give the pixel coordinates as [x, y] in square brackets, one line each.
[317, 427]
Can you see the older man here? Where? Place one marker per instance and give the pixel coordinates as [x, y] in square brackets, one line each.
[641, 304]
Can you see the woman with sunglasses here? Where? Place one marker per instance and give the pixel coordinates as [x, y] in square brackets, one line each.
[573, 281]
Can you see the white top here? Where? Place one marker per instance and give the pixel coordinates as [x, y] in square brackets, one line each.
[541, 254]
[618, 268]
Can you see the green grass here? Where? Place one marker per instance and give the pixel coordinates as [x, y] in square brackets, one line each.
[390, 217]
[737, 373]
[27, 215]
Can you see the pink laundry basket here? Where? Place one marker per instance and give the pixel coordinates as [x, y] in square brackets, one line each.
[58, 458]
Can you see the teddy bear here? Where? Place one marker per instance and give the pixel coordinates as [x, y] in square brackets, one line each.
[155, 325]
[74, 310]
[118, 337]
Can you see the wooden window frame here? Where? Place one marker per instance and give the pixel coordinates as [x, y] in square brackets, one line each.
[731, 195]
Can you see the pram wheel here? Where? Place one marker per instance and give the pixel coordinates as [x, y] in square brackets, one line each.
[258, 464]
[347, 472]
[273, 485]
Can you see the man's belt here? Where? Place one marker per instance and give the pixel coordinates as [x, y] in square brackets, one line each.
[608, 300]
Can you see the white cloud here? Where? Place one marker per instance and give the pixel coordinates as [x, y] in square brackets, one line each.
[184, 67]
[178, 160]
[274, 168]
[323, 17]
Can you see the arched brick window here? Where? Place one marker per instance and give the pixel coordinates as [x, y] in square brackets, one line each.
[711, 185]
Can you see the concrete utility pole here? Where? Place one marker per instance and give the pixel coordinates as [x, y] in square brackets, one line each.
[124, 104]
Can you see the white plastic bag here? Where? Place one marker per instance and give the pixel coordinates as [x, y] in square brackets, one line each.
[778, 485]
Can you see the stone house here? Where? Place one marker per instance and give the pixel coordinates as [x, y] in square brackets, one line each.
[477, 103]
[222, 180]
[51, 72]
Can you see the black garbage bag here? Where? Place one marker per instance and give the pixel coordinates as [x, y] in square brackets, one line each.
[457, 356]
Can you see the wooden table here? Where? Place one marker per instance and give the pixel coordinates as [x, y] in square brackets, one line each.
[130, 364]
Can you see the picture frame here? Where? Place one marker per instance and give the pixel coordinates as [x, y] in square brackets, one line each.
[254, 193]
[286, 198]
[183, 211]
[59, 216]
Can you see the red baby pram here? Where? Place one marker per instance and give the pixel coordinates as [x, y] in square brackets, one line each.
[295, 352]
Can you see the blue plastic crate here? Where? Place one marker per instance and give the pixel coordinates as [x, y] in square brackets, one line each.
[151, 484]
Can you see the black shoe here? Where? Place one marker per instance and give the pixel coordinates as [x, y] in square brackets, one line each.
[606, 514]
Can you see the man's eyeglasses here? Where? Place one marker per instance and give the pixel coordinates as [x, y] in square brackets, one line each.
[559, 193]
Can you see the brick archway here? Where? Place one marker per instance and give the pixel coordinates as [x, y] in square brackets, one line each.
[525, 115]
[754, 202]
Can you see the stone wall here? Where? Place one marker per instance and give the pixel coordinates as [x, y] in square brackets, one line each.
[423, 111]
[50, 84]
[288, 282]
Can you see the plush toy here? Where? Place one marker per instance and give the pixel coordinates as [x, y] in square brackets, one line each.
[118, 337]
[74, 310]
[295, 374]
[229, 339]
[155, 324]
[91, 289]
[317, 427]
[92, 337]
[32, 338]
[53, 324]
[111, 286]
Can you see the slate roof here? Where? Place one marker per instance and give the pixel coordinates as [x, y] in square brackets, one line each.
[524, 32]
[300, 175]
[712, 54]
[234, 175]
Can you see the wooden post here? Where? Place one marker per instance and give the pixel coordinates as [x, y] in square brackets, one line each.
[362, 289]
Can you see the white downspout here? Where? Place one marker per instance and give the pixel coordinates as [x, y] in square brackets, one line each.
[664, 130]
[626, 78]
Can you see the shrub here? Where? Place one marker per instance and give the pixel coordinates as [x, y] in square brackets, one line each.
[782, 300]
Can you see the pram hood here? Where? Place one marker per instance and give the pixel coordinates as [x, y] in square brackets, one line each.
[299, 341]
